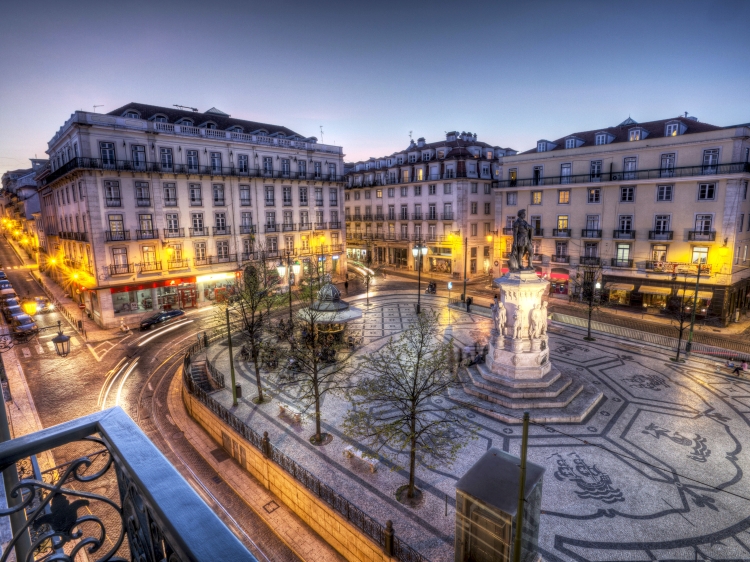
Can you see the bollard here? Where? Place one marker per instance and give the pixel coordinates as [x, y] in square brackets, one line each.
[266, 444]
[388, 535]
[205, 339]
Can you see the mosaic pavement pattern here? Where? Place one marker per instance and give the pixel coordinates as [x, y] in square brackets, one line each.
[654, 473]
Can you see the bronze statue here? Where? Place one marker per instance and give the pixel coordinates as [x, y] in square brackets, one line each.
[522, 245]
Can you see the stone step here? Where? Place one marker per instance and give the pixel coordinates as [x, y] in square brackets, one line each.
[547, 380]
[481, 381]
[559, 401]
[576, 411]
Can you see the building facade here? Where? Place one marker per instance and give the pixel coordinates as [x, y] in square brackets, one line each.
[648, 202]
[150, 207]
[438, 194]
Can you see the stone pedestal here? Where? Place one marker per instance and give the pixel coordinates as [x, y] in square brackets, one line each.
[517, 374]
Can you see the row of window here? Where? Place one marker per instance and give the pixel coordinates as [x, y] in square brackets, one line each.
[662, 223]
[214, 161]
[417, 230]
[629, 169]
[413, 158]
[706, 192]
[404, 191]
[671, 129]
[113, 194]
[404, 211]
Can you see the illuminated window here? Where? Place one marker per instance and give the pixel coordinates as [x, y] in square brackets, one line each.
[563, 196]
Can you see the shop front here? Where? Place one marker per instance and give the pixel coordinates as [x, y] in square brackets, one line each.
[157, 295]
[441, 260]
[619, 293]
[216, 287]
[703, 301]
[559, 282]
[655, 297]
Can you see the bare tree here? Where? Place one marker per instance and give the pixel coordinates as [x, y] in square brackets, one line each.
[257, 294]
[393, 409]
[319, 362]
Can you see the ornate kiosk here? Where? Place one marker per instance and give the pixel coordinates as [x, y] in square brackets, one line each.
[517, 374]
[330, 312]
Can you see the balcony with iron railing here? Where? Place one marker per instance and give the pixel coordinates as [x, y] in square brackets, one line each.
[121, 268]
[623, 234]
[225, 230]
[591, 233]
[304, 226]
[247, 229]
[78, 236]
[508, 231]
[168, 233]
[638, 175]
[141, 202]
[117, 493]
[334, 225]
[561, 233]
[148, 234]
[702, 235]
[589, 260]
[660, 234]
[367, 216]
[287, 227]
[196, 202]
[200, 261]
[677, 267]
[320, 226]
[245, 203]
[113, 202]
[170, 202]
[271, 227]
[624, 263]
[446, 216]
[225, 258]
[560, 258]
[199, 231]
[538, 258]
[220, 202]
[84, 163]
[178, 264]
[150, 267]
[379, 217]
[116, 235]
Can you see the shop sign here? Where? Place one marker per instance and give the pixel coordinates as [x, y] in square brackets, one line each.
[152, 285]
[214, 277]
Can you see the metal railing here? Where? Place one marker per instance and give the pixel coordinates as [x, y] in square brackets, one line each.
[228, 258]
[85, 163]
[269, 227]
[380, 534]
[287, 227]
[247, 229]
[614, 262]
[660, 234]
[222, 230]
[702, 235]
[143, 202]
[616, 176]
[121, 268]
[446, 216]
[178, 264]
[146, 267]
[170, 202]
[173, 233]
[399, 178]
[560, 258]
[589, 233]
[196, 202]
[589, 260]
[623, 234]
[561, 232]
[220, 202]
[113, 202]
[199, 231]
[116, 235]
[146, 515]
[147, 234]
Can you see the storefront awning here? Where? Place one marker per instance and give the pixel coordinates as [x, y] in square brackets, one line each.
[690, 293]
[650, 290]
[620, 287]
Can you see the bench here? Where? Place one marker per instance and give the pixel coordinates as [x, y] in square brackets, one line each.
[351, 451]
[289, 411]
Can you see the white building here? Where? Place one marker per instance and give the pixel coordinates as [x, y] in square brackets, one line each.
[149, 207]
[439, 194]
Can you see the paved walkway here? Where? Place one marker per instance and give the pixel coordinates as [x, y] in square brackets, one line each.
[654, 473]
[302, 540]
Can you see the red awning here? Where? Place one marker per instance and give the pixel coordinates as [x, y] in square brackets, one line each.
[152, 285]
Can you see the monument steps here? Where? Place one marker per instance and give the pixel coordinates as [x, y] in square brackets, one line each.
[545, 381]
[480, 379]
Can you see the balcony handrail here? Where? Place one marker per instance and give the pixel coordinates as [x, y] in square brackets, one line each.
[86, 163]
[148, 474]
[654, 173]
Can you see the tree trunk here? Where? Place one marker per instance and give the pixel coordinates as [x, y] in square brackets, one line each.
[317, 409]
[257, 380]
[412, 456]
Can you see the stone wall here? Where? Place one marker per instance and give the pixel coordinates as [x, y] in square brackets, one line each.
[349, 541]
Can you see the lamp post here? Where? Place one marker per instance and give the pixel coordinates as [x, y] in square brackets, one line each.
[689, 344]
[450, 286]
[418, 251]
[231, 360]
[61, 341]
[289, 269]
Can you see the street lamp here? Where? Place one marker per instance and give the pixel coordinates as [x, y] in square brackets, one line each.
[450, 286]
[61, 341]
[419, 251]
[289, 269]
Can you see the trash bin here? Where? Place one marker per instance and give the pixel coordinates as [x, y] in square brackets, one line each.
[238, 388]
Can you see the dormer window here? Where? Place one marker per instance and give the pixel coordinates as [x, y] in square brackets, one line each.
[186, 122]
[674, 129]
[426, 157]
[389, 162]
[441, 154]
[400, 159]
[637, 134]
[601, 138]
[489, 155]
[235, 129]
[210, 125]
[132, 115]
[570, 143]
[541, 146]
[160, 119]
[412, 158]
[367, 166]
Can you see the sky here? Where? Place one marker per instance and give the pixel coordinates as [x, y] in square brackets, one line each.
[372, 73]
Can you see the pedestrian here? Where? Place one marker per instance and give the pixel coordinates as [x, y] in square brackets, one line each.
[739, 369]
[468, 304]
[346, 286]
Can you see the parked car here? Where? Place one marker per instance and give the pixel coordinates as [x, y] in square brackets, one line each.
[161, 319]
[4, 303]
[24, 331]
[12, 311]
[2, 275]
[5, 284]
[4, 293]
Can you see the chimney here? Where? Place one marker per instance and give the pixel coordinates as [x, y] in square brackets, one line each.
[420, 141]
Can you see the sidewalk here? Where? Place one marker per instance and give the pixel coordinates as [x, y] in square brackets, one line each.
[63, 303]
[302, 540]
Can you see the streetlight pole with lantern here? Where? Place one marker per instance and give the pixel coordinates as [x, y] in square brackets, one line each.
[289, 269]
[419, 251]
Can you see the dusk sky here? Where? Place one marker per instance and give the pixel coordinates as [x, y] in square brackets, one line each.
[511, 72]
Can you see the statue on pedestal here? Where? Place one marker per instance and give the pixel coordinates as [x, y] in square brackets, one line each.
[535, 321]
[499, 316]
[522, 245]
[543, 321]
[518, 324]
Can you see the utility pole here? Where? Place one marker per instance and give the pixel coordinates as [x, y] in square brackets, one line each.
[521, 490]
[689, 344]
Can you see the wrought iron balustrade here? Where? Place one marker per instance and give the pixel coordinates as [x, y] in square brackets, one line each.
[116, 235]
[271, 227]
[320, 226]
[140, 202]
[113, 202]
[334, 225]
[623, 234]
[178, 264]
[170, 202]
[446, 216]
[561, 232]
[203, 231]
[508, 231]
[616, 262]
[247, 229]
[58, 513]
[660, 234]
[287, 226]
[149, 266]
[200, 261]
[305, 226]
[589, 260]
[558, 258]
[173, 233]
[225, 258]
[702, 235]
[147, 234]
[222, 230]
[591, 233]
[196, 202]
[121, 268]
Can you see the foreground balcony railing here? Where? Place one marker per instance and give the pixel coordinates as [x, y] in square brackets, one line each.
[658, 173]
[56, 514]
[82, 163]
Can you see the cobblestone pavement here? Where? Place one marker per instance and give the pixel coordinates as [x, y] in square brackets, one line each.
[654, 473]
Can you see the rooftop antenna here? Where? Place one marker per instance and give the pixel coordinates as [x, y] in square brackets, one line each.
[185, 107]
[96, 107]
[321, 134]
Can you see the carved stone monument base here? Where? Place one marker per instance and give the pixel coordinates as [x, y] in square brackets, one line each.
[517, 374]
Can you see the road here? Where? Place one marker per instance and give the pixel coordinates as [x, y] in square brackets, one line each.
[134, 372]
